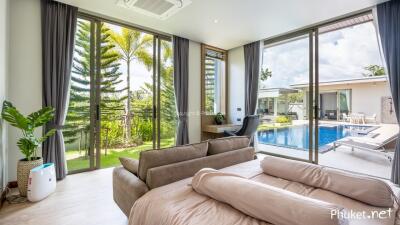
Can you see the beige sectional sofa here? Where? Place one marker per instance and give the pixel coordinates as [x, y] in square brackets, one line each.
[160, 189]
[157, 168]
[271, 191]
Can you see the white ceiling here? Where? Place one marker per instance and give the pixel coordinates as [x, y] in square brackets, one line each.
[239, 21]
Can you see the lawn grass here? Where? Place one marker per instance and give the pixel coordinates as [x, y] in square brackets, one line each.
[111, 159]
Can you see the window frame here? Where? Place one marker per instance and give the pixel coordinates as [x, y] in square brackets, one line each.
[313, 86]
[95, 93]
[224, 88]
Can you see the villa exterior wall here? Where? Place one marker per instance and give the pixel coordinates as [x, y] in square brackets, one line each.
[366, 98]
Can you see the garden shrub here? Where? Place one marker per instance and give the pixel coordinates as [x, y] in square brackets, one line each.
[283, 119]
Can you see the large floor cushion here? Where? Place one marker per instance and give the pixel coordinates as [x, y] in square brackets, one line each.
[154, 158]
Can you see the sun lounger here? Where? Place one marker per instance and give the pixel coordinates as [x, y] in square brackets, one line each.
[371, 119]
[366, 144]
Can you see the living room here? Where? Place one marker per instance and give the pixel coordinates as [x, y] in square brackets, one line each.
[112, 112]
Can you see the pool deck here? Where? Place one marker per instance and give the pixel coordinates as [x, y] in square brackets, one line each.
[359, 161]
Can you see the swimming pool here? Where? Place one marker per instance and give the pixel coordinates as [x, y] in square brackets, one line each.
[297, 136]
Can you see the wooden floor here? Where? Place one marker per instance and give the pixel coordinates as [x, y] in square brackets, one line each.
[80, 199]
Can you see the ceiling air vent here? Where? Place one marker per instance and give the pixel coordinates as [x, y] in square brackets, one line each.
[161, 9]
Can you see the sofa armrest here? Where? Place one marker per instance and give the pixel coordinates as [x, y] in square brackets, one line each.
[127, 188]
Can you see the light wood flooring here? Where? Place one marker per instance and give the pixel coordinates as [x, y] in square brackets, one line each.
[80, 199]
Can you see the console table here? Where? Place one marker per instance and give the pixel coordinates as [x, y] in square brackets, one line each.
[217, 131]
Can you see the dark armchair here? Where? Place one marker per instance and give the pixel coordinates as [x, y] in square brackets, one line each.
[250, 124]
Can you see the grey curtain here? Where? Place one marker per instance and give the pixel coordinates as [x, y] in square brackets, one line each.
[58, 32]
[389, 31]
[251, 73]
[181, 78]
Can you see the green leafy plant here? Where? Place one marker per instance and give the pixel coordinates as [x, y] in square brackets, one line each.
[29, 143]
[219, 118]
[283, 119]
[265, 74]
[374, 71]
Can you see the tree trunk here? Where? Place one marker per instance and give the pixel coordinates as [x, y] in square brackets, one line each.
[80, 142]
[106, 147]
[128, 105]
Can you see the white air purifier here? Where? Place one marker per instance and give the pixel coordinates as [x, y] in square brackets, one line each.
[42, 182]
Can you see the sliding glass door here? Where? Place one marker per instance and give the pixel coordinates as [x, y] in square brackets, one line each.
[354, 87]
[286, 97]
[122, 100]
[324, 97]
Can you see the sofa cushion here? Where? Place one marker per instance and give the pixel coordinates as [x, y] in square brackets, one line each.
[163, 175]
[265, 202]
[129, 164]
[154, 158]
[331, 197]
[220, 145]
[362, 188]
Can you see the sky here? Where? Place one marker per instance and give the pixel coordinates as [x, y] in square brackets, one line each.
[343, 54]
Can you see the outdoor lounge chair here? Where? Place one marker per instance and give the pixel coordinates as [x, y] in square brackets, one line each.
[371, 119]
[345, 117]
[366, 145]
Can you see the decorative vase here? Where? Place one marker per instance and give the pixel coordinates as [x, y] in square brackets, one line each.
[23, 169]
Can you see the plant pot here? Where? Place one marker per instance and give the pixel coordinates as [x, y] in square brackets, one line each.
[218, 122]
[23, 169]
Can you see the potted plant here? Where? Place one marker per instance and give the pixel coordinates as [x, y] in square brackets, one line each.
[29, 143]
[219, 118]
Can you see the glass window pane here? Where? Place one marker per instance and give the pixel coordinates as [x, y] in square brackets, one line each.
[355, 99]
[282, 99]
[77, 124]
[168, 117]
[126, 93]
[214, 87]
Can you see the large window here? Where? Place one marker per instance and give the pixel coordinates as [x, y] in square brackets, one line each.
[122, 99]
[322, 88]
[214, 80]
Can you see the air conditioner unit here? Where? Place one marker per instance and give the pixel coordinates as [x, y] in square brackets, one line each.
[161, 9]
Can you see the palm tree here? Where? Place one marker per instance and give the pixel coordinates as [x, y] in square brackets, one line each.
[132, 45]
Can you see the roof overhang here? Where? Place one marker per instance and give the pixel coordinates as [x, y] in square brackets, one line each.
[345, 82]
[274, 92]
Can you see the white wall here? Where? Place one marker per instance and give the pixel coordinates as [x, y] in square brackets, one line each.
[194, 122]
[4, 22]
[235, 84]
[25, 80]
[365, 98]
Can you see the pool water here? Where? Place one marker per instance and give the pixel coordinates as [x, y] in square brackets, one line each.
[297, 136]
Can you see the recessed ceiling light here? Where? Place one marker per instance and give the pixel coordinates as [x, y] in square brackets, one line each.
[215, 21]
